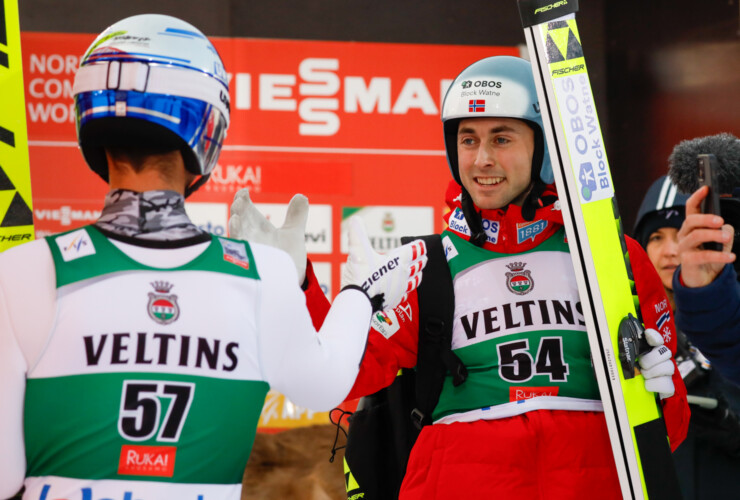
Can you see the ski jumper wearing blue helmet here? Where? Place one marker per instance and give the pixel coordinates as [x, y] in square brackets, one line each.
[528, 421]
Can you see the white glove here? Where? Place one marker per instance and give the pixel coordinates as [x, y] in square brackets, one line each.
[393, 274]
[248, 223]
[657, 365]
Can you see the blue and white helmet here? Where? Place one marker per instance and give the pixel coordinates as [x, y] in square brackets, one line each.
[499, 86]
[152, 79]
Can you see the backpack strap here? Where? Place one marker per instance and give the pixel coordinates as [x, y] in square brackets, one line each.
[436, 312]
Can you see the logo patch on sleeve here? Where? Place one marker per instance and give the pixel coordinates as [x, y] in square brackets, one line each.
[235, 252]
[386, 323]
[75, 245]
[450, 250]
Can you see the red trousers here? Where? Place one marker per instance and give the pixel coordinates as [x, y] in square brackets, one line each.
[539, 455]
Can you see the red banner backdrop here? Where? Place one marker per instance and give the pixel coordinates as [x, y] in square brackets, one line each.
[353, 126]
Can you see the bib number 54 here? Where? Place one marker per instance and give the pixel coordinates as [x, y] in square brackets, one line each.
[516, 364]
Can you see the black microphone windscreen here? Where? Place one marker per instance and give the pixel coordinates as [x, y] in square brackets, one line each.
[684, 168]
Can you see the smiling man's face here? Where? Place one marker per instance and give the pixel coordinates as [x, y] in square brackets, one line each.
[495, 160]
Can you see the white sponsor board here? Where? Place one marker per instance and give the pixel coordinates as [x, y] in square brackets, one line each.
[210, 217]
[386, 225]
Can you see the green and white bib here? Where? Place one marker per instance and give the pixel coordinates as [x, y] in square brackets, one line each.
[149, 379]
[520, 331]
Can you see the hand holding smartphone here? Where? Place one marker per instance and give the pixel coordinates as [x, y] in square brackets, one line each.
[708, 177]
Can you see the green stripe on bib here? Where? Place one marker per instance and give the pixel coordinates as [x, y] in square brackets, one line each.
[141, 426]
[89, 254]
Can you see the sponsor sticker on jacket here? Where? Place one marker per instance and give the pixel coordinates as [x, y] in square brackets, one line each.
[528, 230]
[458, 224]
[450, 250]
[386, 323]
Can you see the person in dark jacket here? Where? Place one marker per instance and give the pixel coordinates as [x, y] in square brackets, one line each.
[706, 288]
[705, 461]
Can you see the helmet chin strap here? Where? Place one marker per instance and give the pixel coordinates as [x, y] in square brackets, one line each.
[473, 218]
[195, 185]
[533, 201]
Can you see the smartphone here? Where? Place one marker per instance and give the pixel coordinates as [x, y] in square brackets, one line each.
[709, 205]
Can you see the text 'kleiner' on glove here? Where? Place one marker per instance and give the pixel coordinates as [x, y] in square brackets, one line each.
[657, 365]
[392, 275]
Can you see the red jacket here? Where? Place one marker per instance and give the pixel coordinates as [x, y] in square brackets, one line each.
[385, 356]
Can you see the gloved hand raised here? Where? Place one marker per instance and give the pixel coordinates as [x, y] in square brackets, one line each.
[387, 279]
[657, 366]
[248, 223]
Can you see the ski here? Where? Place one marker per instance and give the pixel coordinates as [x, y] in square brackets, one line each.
[586, 193]
[16, 212]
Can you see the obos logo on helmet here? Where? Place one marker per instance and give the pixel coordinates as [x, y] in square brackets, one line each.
[152, 79]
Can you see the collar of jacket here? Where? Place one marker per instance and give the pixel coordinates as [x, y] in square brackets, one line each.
[506, 229]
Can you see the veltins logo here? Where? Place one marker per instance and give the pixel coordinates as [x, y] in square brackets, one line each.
[147, 461]
[587, 179]
[519, 280]
[162, 306]
[75, 245]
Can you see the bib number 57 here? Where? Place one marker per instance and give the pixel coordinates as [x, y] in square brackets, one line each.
[140, 417]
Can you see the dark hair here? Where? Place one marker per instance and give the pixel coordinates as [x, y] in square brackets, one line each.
[137, 154]
[128, 138]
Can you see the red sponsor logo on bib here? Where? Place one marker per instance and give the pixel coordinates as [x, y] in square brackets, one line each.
[522, 393]
[147, 461]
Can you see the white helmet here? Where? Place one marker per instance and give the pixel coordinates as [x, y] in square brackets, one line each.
[500, 86]
[153, 80]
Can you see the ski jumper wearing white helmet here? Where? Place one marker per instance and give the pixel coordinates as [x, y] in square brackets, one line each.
[501, 87]
[153, 81]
